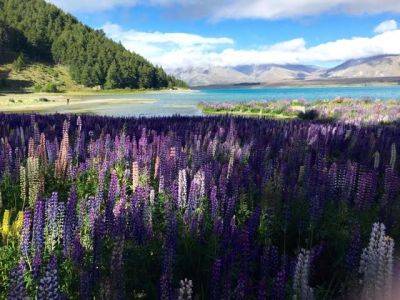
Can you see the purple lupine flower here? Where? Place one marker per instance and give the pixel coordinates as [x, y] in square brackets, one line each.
[26, 234]
[166, 290]
[279, 287]
[354, 251]
[215, 279]
[38, 228]
[77, 251]
[112, 195]
[165, 287]
[117, 272]
[51, 228]
[254, 222]
[241, 290]
[366, 190]
[85, 285]
[270, 260]
[36, 265]
[17, 290]
[262, 289]
[244, 250]
[214, 202]
[48, 287]
[315, 208]
[120, 205]
[71, 222]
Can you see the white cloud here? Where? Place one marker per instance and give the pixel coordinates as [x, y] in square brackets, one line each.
[168, 49]
[386, 26]
[180, 39]
[91, 5]
[238, 9]
[173, 50]
[278, 9]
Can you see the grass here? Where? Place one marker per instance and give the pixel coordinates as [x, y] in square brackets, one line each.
[274, 110]
[341, 109]
[44, 102]
[274, 115]
[37, 75]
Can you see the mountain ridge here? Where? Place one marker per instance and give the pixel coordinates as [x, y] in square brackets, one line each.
[379, 66]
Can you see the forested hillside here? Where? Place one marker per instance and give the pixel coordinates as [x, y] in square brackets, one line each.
[45, 33]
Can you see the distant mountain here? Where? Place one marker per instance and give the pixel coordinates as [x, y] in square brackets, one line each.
[372, 67]
[203, 76]
[275, 72]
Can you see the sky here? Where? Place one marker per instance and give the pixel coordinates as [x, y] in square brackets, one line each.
[202, 33]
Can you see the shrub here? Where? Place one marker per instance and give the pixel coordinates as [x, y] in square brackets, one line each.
[3, 83]
[19, 63]
[309, 115]
[38, 88]
[50, 88]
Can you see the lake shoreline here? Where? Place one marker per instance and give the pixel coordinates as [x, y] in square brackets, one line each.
[42, 103]
[177, 102]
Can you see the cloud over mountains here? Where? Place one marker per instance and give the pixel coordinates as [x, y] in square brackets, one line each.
[179, 50]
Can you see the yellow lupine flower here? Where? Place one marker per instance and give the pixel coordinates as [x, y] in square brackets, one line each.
[5, 229]
[17, 225]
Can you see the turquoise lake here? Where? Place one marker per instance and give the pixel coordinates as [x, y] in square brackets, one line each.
[185, 103]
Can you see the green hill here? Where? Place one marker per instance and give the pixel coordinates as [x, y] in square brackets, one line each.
[48, 36]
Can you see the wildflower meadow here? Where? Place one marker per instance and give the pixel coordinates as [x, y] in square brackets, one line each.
[197, 208]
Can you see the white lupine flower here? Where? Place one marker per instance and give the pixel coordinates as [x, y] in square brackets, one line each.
[22, 183]
[33, 179]
[152, 197]
[200, 180]
[161, 184]
[301, 289]
[376, 160]
[393, 155]
[376, 265]
[185, 290]
[182, 188]
[231, 162]
[135, 175]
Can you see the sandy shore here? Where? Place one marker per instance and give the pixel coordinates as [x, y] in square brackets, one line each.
[42, 102]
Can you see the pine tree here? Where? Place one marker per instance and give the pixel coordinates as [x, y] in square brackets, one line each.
[19, 63]
[112, 79]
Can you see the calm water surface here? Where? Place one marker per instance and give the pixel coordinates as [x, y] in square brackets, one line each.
[185, 103]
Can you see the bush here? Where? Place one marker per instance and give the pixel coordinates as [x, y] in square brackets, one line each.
[309, 115]
[50, 88]
[3, 83]
[38, 88]
[19, 63]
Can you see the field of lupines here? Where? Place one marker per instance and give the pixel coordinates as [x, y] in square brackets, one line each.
[347, 110]
[197, 208]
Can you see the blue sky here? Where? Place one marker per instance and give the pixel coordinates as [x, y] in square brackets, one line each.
[184, 33]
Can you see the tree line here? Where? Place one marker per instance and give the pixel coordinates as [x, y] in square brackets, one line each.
[45, 33]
